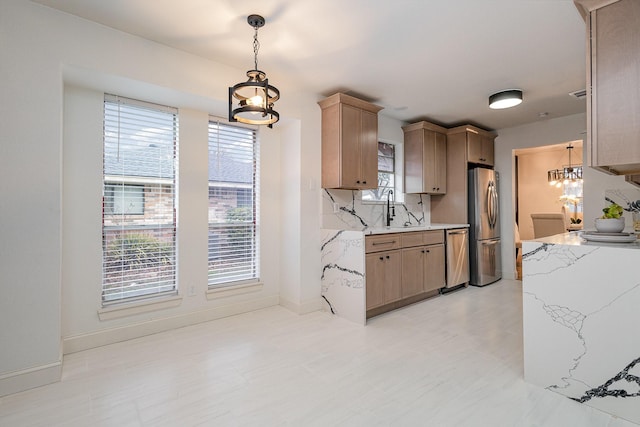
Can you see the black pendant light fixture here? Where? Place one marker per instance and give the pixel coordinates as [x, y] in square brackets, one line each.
[505, 99]
[566, 175]
[252, 101]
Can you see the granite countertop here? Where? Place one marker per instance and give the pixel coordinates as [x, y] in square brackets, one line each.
[401, 229]
[575, 238]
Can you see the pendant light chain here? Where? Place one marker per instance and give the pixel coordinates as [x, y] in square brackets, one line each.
[256, 47]
[252, 101]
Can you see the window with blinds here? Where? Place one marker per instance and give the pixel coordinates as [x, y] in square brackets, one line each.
[233, 204]
[386, 173]
[139, 200]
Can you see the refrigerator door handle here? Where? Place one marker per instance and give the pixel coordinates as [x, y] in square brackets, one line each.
[489, 202]
[494, 205]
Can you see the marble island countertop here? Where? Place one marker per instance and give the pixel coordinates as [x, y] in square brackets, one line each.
[401, 229]
[575, 238]
[580, 304]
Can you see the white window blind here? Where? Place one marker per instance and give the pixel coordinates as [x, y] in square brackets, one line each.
[386, 173]
[233, 204]
[139, 200]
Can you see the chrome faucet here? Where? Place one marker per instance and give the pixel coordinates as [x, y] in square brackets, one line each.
[391, 207]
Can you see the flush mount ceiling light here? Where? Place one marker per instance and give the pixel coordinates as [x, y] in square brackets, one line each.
[252, 101]
[505, 99]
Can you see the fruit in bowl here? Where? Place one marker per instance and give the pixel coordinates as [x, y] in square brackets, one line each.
[611, 221]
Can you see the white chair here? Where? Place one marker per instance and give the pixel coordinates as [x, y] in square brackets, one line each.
[548, 224]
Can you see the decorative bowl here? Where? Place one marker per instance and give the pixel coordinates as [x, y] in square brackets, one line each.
[609, 225]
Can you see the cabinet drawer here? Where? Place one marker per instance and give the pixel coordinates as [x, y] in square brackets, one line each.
[383, 242]
[421, 238]
[433, 237]
[412, 239]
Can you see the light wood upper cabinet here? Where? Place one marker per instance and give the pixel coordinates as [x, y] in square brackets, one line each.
[465, 145]
[613, 85]
[479, 148]
[425, 158]
[349, 143]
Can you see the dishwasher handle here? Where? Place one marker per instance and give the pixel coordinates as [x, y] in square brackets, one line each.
[465, 231]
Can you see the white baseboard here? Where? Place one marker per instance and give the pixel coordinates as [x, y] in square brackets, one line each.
[26, 379]
[77, 343]
[304, 307]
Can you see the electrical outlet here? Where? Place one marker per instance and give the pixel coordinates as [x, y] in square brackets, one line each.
[192, 291]
[336, 208]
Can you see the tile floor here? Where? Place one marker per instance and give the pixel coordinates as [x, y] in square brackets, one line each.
[455, 360]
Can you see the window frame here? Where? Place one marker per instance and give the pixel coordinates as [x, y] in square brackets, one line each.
[253, 275]
[145, 244]
[397, 173]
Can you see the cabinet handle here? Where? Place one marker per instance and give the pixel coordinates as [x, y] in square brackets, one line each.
[381, 258]
[387, 256]
[384, 243]
[427, 250]
[364, 182]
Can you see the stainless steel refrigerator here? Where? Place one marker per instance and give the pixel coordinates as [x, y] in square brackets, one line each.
[484, 230]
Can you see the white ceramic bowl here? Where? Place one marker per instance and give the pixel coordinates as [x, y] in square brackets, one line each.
[610, 225]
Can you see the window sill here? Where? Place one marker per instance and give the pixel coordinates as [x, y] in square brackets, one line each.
[229, 291]
[138, 307]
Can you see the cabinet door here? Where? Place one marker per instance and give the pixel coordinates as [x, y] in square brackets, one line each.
[425, 160]
[350, 167]
[479, 148]
[374, 277]
[429, 167]
[392, 276]
[434, 268]
[369, 150]
[474, 148]
[615, 81]
[487, 150]
[412, 271]
[440, 163]
[413, 161]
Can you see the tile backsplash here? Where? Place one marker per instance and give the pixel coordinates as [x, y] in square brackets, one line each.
[344, 209]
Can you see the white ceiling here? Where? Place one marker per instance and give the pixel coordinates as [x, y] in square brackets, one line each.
[419, 59]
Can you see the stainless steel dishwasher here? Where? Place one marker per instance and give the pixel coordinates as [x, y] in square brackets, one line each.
[457, 257]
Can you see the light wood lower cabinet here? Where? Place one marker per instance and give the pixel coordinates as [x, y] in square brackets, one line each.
[434, 268]
[402, 268]
[383, 278]
[423, 269]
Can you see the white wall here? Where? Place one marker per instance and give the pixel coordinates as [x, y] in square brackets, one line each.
[43, 51]
[81, 243]
[549, 132]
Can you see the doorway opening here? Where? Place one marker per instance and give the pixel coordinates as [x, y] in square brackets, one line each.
[534, 191]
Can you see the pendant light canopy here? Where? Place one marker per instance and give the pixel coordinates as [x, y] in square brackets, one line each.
[252, 101]
[505, 99]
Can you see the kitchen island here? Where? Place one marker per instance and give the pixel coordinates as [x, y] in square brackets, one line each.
[581, 318]
[344, 271]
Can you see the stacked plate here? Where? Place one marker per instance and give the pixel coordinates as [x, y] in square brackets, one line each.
[596, 236]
